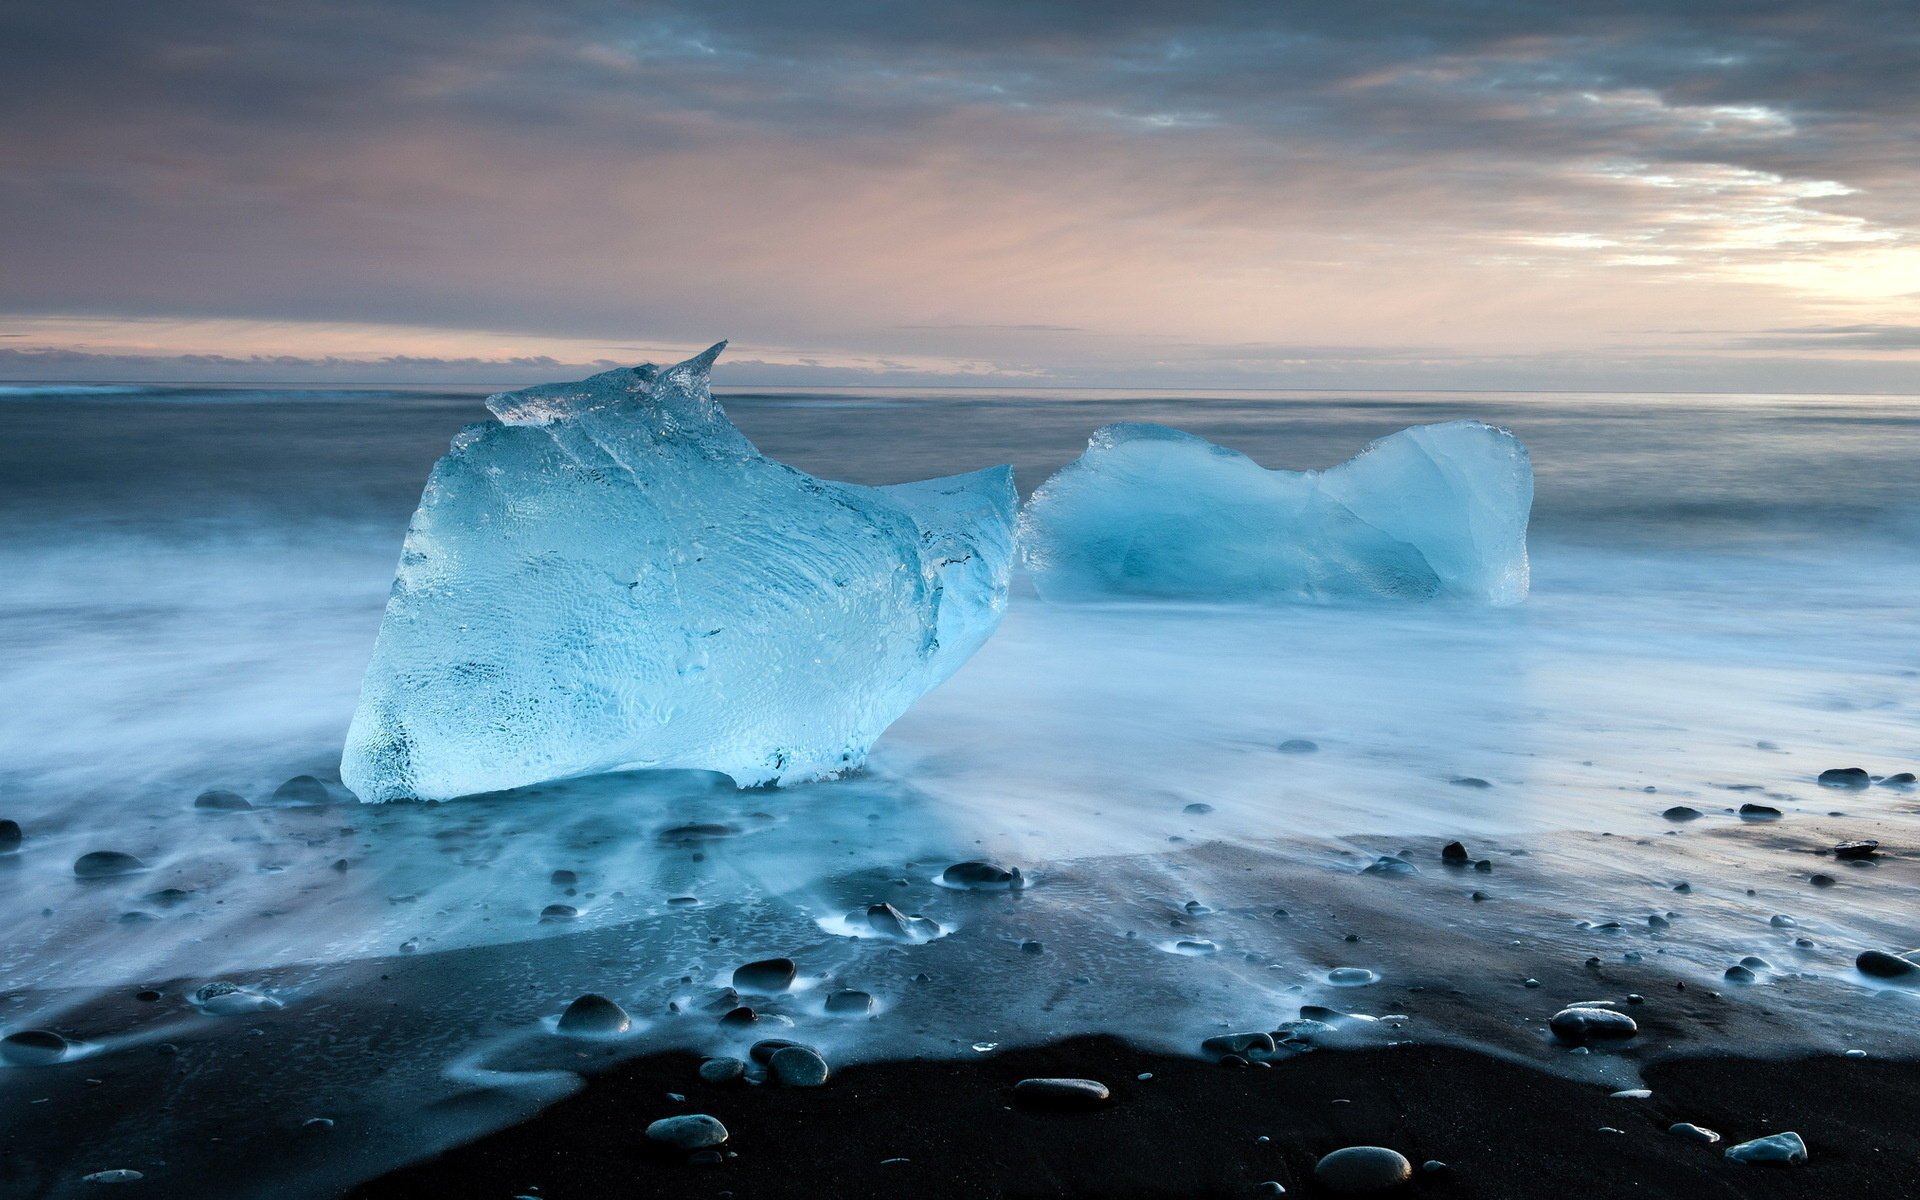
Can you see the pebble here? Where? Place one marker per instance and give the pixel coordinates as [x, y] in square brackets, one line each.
[1656, 921]
[1581, 1024]
[559, 912]
[9, 836]
[766, 975]
[1782, 921]
[1694, 1133]
[1298, 746]
[1269, 1187]
[1238, 1043]
[849, 1003]
[1759, 812]
[1856, 851]
[304, 791]
[1387, 864]
[221, 800]
[797, 1067]
[739, 1016]
[1351, 977]
[720, 1071]
[695, 1131]
[1738, 974]
[594, 1015]
[317, 1125]
[1070, 1095]
[1881, 965]
[1471, 781]
[1780, 1149]
[33, 1048]
[102, 864]
[1631, 1094]
[1846, 777]
[982, 876]
[1681, 812]
[563, 878]
[1821, 881]
[223, 999]
[118, 1175]
[1359, 1170]
[1455, 853]
[1902, 779]
[1198, 809]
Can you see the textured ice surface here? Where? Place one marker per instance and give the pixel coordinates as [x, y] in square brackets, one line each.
[612, 577]
[1432, 510]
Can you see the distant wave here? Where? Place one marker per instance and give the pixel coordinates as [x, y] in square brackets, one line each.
[75, 389]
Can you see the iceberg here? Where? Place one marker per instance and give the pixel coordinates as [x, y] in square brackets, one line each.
[1435, 510]
[611, 577]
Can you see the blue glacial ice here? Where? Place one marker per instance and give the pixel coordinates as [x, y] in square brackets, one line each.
[612, 577]
[1435, 510]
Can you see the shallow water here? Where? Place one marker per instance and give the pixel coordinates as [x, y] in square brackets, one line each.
[1722, 607]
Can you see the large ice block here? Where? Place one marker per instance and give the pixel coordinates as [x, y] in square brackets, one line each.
[1151, 511]
[612, 577]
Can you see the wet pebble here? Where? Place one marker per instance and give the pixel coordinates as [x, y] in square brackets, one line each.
[1351, 977]
[797, 1067]
[695, 1131]
[117, 1175]
[1858, 851]
[849, 1003]
[1361, 1170]
[317, 1125]
[722, 1071]
[1782, 921]
[302, 791]
[103, 864]
[33, 1048]
[1694, 1133]
[1238, 1043]
[593, 1015]
[1454, 853]
[1469, 781]
[1581, 1024]
[1067, 1095]
[982, 876]
[1780, 1149]
[1738, 974]
[563, 878]
[765, 975]
[763, 1050]
[1681, 812]
[1198, 809]
[9, 836]
[1821, 881]
[1298, 746]
[1845, 777]
[1759, 812]
[559, 912]
[1387, 864]
[1881, 965]
[221, 800]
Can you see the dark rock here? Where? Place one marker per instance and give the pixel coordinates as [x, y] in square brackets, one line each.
[1061, 1095]
[1484, 866]
[1681, 812]
[1845, 777]
[221, 800]
[559, 912]
[1387, 864]
[9, 836]
[739, 1016]
[850, 1004]
[721, 1000]
[797, 1067]
[695, 1131]
[1759, 812]
[1198, 809]
[1881, 965]
[1582, 1024]
[1821, 881]
[1455, 854]
[1694, 1133]
[33, 1048]
[1863, 849]
[982, 876]
[1362, 1170]
[103, 864]
[563, 878]
[1739, 974]
[1902, 779]
[1471, 781]
[766, 975]
[1298, 746]
[317, 1125]
[722, 1071]
[594, 1016]
[762, 1051]
[705, 831]
[1238, 1043]
[302, 791]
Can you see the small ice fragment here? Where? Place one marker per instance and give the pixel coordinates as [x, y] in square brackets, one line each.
[1780, 1149]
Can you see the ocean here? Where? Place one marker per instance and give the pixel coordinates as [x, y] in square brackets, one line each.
[1723, 605]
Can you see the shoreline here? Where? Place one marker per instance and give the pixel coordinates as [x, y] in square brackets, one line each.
[1503, 1128]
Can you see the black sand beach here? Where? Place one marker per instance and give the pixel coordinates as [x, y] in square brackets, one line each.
[951, 1128]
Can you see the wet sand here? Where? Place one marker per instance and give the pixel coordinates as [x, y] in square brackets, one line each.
[1502, 1128]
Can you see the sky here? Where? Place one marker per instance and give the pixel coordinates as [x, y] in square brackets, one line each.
[1395, 194]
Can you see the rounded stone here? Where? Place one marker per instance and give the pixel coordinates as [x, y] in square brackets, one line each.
[1351, 977]
[1681, 812]
[221, 800]
[1857, 851]
[302, 791]
[1694, 1133]
[763, 1050]
[33, 1048]
[104, 864]
[1361, 1170]
[981, 876]
[1580, 1024]
[766, 975]
[1846, 777]
[9, 836]
[1065, 1095]
[1455, 853]
[1298, 746]
[1759, 812]
[563, 878]
[850, 1004]
[722, 1071]
[1881, 965]
[559, 912]
[797, 1067]
[1780, 1149]
[594, 1015]
[695, 1131]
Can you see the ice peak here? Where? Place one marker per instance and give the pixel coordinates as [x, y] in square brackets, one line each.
[682, 392]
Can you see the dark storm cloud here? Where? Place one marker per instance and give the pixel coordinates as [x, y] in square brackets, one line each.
[472, 164]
